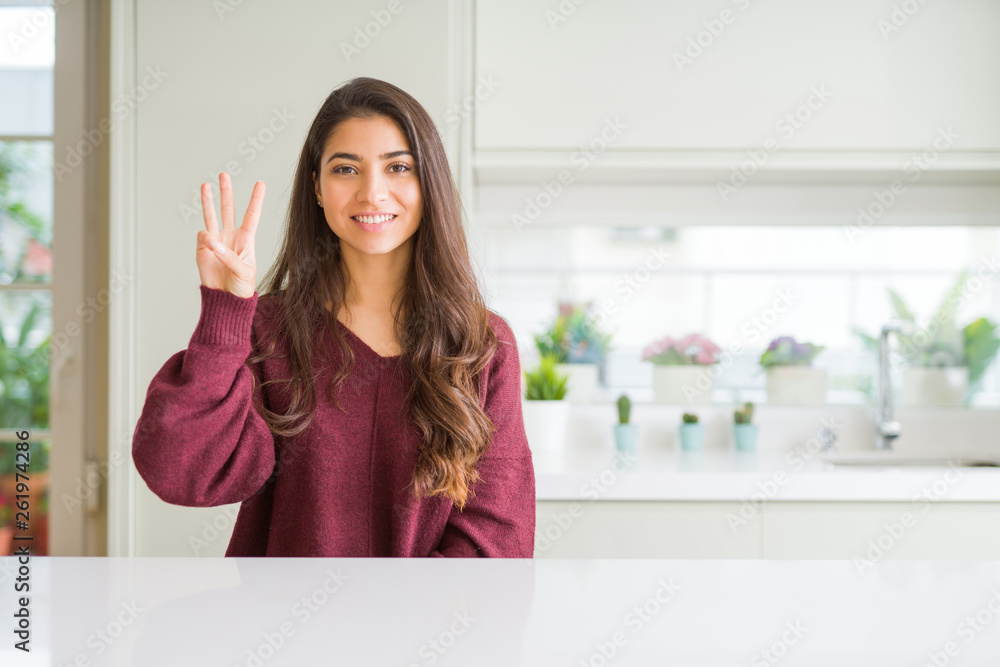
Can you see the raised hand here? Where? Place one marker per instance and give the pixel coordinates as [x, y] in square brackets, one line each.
[226, 258]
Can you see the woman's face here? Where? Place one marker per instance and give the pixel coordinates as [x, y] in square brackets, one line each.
[368, 175]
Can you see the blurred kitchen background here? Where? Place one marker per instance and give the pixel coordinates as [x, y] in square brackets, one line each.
[735, 172]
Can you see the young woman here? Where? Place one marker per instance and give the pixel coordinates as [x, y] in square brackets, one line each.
[367, 402]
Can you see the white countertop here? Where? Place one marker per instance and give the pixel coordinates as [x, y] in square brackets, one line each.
[585, 472]
[483, 612]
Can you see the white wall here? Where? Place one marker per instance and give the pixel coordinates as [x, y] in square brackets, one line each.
[221, 80]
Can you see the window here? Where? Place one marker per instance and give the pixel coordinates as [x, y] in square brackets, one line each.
[27, 57]
[744, 285]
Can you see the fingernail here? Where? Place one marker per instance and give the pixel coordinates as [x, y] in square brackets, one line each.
[218, 247]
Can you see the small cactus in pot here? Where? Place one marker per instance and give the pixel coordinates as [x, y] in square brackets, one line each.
[743, 415]
[744, 432]
[626, 434]
[692, 433]
[624, 408]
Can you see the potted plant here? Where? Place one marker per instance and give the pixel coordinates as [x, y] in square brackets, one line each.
[626, 434]
[744, 432]
[545, 408]
[681, 373]
[791, 379]
[692, 433]
[37, 471]
[579, 347]
[945, 362]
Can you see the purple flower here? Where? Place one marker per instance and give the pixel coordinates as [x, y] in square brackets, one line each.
[785, 350]
[780, 340]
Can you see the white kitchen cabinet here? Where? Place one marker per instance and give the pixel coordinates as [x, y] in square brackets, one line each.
[863, 532]
[643, 529]
[882, 531]
[869, 531]
[689, 76]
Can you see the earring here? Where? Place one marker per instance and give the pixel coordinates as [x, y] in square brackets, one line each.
[320, 203]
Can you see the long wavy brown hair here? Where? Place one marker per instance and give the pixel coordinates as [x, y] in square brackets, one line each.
[441, 322]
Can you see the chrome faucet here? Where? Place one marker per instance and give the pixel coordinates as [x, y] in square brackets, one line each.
[827, 439]
[887, 429]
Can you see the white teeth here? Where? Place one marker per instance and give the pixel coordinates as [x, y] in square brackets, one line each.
[373, 219]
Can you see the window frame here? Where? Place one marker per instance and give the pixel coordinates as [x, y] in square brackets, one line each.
[79, 270]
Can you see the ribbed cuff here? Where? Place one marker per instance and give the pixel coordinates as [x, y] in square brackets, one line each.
[226, 319]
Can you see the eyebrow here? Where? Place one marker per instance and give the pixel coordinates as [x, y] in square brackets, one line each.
[352, 156]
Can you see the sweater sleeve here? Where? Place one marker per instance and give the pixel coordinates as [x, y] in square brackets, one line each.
[498, 521]
[198, 441]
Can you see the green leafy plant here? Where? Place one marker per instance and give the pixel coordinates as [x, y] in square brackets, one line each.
[689, 418]
[573, 337]
[624, 408]
[545, 382]
[941, 342]
[24, 377]
[743, 415]
[981, 345]
[24, 369]
[38, 457]
[5, 511]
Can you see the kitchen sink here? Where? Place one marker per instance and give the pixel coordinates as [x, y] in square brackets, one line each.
[893, 459]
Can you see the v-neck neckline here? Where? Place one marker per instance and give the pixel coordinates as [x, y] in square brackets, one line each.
[363, 344]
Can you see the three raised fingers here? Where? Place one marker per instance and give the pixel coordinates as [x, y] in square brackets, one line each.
[250, 219]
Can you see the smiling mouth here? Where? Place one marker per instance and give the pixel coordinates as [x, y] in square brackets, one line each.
[373, 219]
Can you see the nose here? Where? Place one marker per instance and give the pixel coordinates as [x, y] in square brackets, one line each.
[373, 188]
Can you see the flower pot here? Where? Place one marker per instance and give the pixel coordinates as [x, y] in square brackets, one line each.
[796, 385]
[745, 437]
[692, 436]
[683, 385]
[939, 386]
[42, 535]
[38, 487]
[545, 424]
[581, 387]
[6, 538]
[626, 437]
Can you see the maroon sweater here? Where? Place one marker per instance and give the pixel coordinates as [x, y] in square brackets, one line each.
[340, 488]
